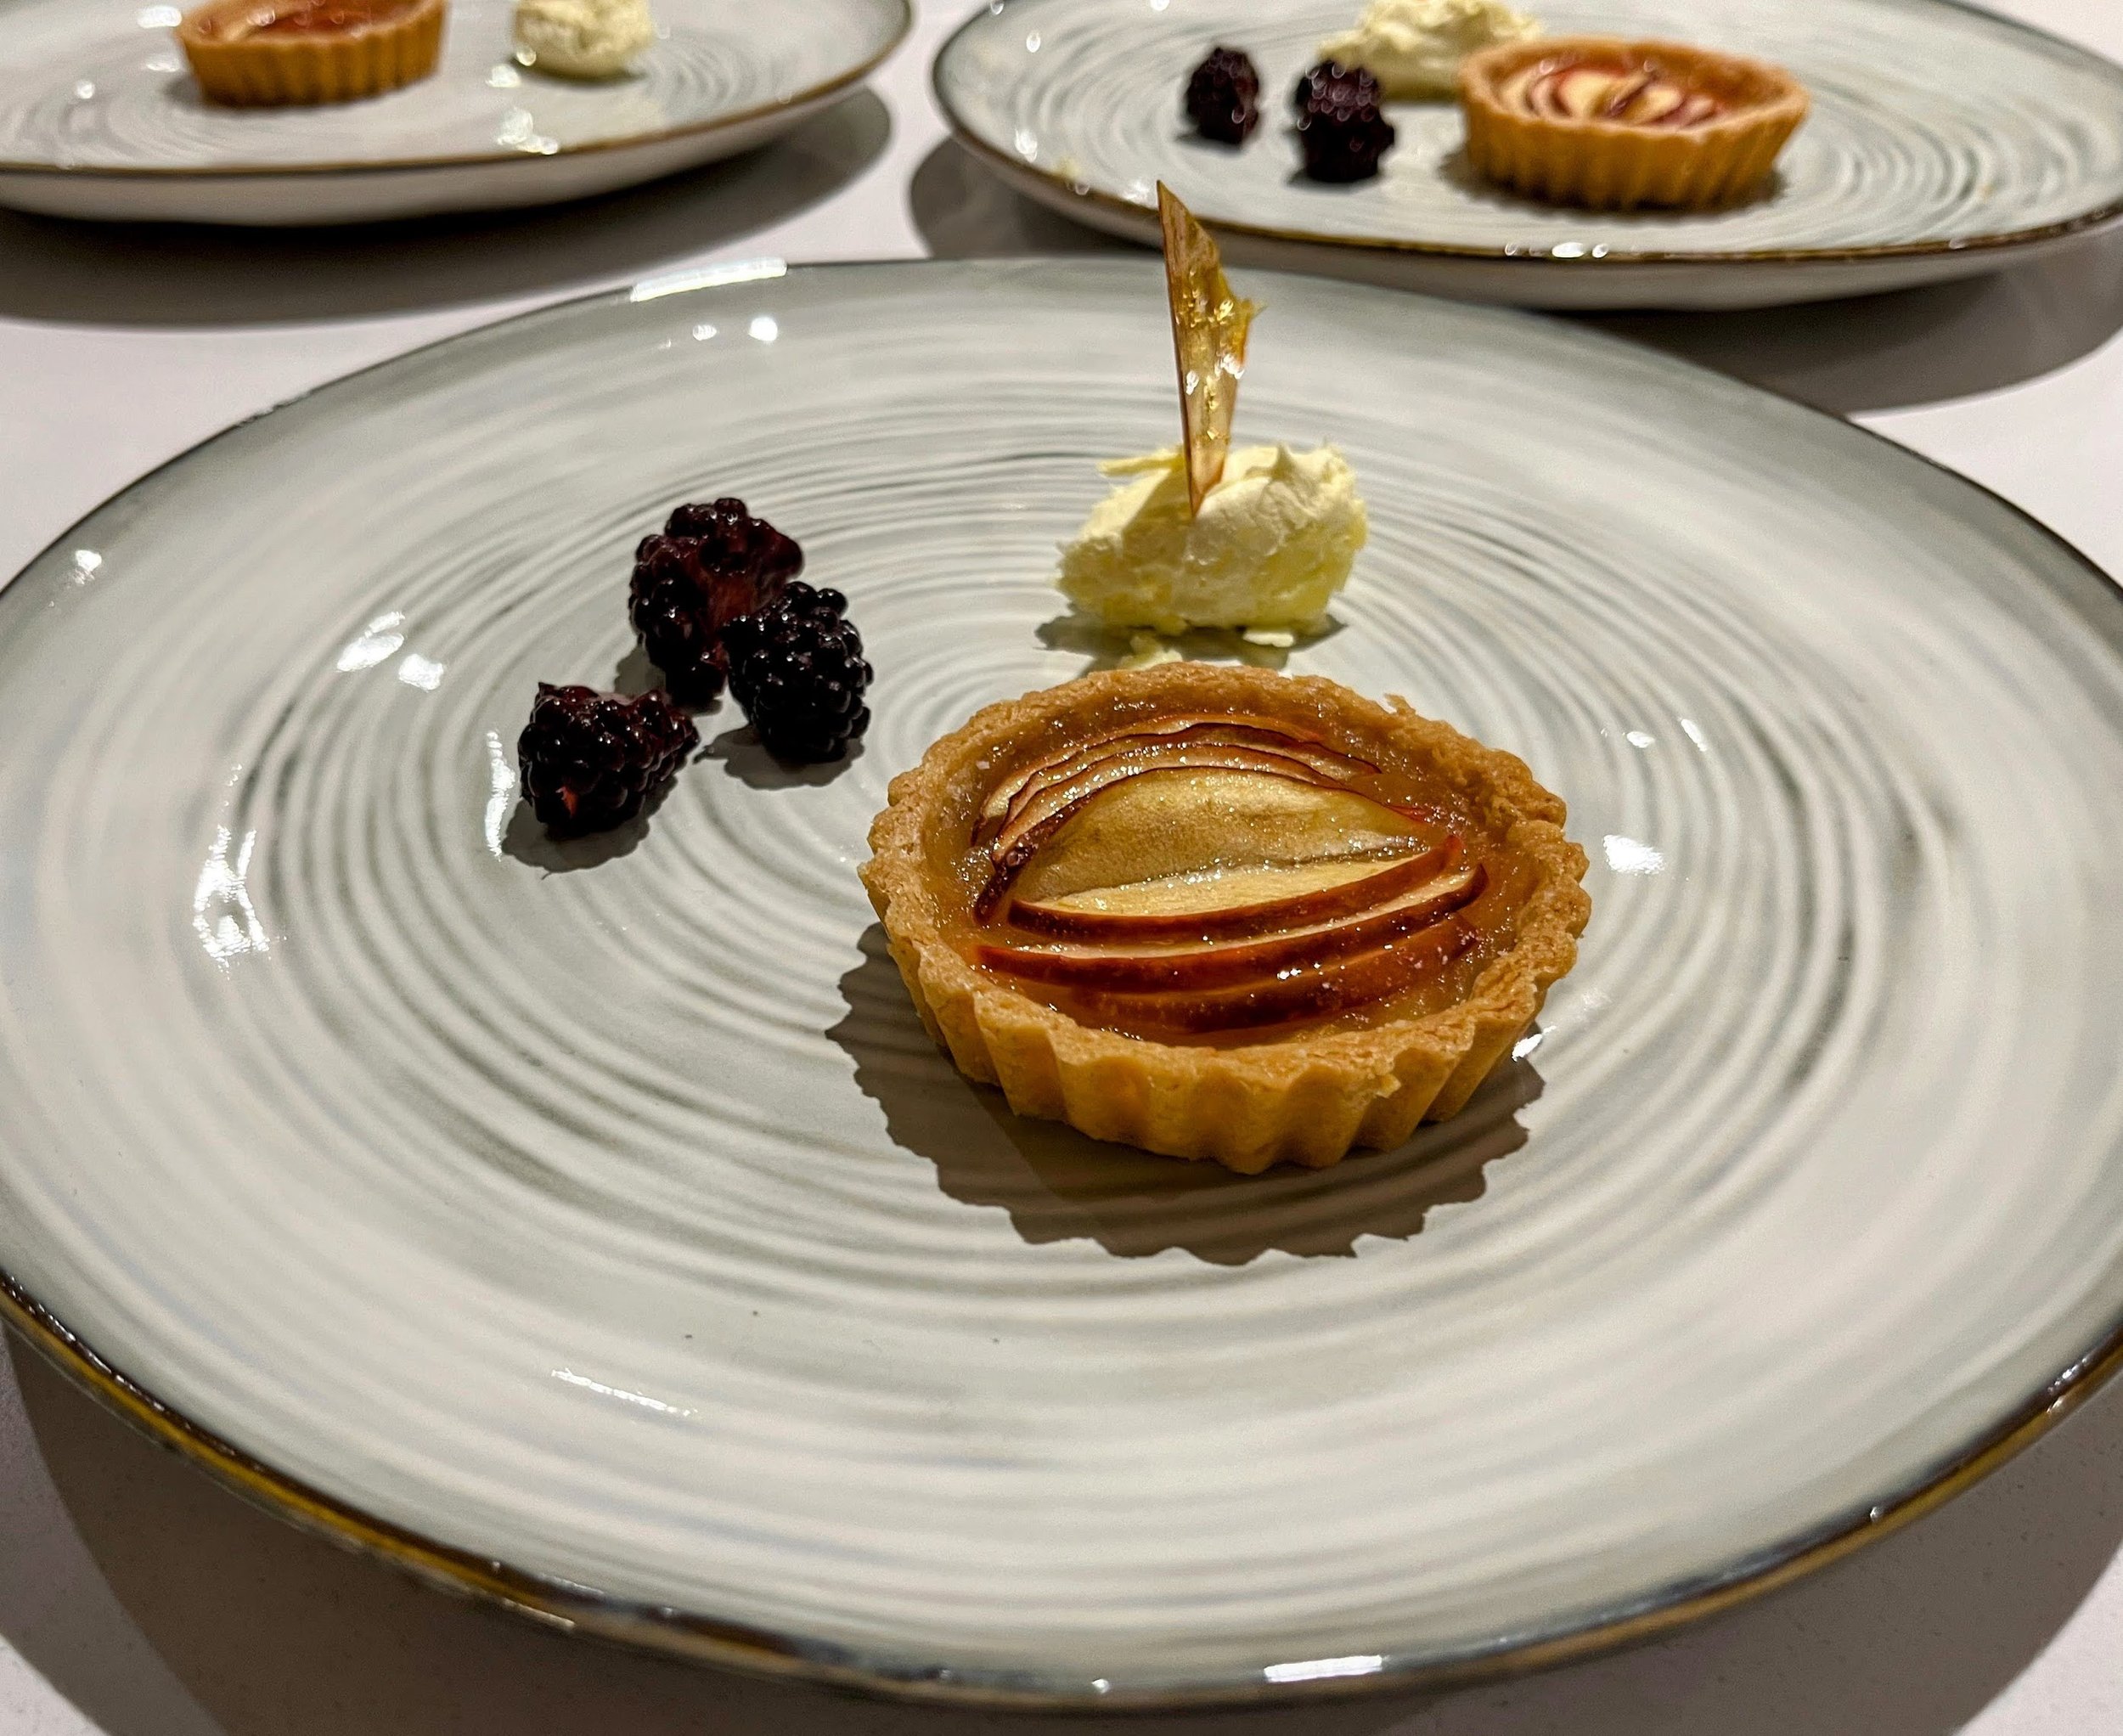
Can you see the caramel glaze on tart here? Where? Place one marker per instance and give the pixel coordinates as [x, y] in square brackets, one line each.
[261, 53]
[1223, 914]
[1614, 125]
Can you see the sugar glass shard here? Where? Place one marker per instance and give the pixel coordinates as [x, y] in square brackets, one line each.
[1209, 325]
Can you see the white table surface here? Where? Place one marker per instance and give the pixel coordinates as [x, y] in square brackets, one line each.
[137, 1599]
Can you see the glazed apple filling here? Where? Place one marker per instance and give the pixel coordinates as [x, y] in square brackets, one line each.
[1632, 95]
[1203, 877]
[309, 18]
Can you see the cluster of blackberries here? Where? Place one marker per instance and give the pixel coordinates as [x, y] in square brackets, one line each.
[714, 599]
[1341, 128]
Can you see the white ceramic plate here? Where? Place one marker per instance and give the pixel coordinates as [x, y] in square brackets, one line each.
[1943, 141]
[597, 1228]
[99, 117]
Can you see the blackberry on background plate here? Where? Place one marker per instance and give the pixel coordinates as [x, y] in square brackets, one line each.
[797, 668]
[711, 564]
[1224, 96]
[589, 760]
[1340, 128]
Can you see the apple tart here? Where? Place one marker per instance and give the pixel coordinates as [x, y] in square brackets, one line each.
[269, 53]
[1615, 124]
[1223, 914]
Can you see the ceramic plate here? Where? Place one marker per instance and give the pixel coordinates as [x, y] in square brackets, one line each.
[99, 117]
[596, 1226]
[1943, 141]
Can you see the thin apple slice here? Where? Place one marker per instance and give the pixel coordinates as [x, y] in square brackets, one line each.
[1305, 758]
[1004, 794]
[1038, 815]
[1153, 970]
[1169, 822]
[1227, 903]
[1327, 991]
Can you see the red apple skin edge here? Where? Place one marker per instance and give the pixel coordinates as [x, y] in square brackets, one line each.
[1233, 962]
[1234, 921]
[1306, 997]
[1064, 794]
[1321, 763]
[1004, 794]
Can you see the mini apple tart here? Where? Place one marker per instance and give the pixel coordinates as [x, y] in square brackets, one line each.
[259, 53]
[1225, 914]
[1614, 125]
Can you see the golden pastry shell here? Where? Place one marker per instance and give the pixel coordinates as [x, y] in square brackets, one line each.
[1305, 1098]
[1617, 166]
[325, 66]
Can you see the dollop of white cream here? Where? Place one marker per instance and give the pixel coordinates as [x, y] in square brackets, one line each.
[1414, 48]
[1273, 543]
[584, 38]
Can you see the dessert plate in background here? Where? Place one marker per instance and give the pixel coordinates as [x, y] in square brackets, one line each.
[594, 1227]
[99, 117]
[1943, 141]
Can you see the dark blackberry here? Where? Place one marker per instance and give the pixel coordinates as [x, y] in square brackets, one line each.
[590, 759]
[711, 565]
[1339, 126]
[797, 669]
[1223, 97]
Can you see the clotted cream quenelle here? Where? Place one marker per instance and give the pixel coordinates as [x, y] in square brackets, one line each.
[1273, 542]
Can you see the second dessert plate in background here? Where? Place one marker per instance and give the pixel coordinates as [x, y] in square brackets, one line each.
[101, 117]
[1942, 141]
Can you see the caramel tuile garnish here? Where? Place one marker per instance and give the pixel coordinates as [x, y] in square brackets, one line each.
[1209, 325]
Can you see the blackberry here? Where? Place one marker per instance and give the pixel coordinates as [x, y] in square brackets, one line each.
[711, 565]
[797, 669]
[590, 759]
[1339, 126]
[1223, 97]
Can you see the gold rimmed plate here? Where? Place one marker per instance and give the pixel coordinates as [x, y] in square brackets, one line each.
[594, 1228]
[101, 118]
[1943, 141]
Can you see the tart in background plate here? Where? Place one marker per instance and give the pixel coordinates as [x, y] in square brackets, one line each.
[1613, 124]
[259, 53]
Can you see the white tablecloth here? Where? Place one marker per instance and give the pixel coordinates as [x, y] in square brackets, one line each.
[136, 1599]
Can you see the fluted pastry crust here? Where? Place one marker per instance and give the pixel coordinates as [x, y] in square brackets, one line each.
[1619, 164]
[1306, 1097]
[251, 71]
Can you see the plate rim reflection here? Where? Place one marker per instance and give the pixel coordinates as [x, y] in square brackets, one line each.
[673, 1632]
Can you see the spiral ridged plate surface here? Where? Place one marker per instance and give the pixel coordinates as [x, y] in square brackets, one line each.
[101, 90]
[1934, 128]
[603, 1211]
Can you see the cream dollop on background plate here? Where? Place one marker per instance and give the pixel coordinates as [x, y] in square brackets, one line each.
[1273, 541]
[1414, 48]
[584, 38]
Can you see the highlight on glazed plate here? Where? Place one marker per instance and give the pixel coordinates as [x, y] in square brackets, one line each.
[1584, 121]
